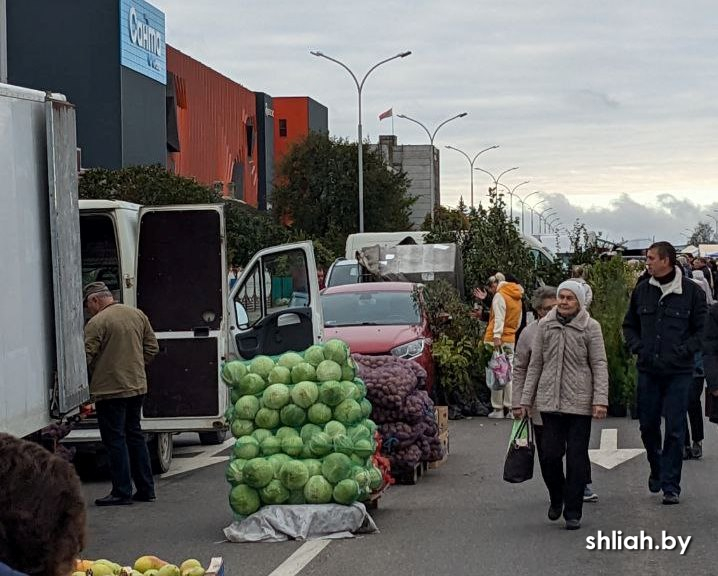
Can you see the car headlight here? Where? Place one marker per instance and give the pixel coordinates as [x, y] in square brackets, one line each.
[409, 350]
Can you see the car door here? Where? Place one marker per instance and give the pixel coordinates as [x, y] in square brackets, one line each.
[181, 286]
[274, 306]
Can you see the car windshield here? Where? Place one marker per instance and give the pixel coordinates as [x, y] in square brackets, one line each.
[343, 274]
[370, 309]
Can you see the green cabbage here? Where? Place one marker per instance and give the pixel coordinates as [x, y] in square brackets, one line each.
[292, 445]
[360, 388]
[286, 431]
[297, 497]
[261, 434]
[246, 448]
[328, 370]
[320, 414]
[334, 428]
[233, 372]
[274, 493]
[343, 444]
[337, 351]
[242, 427]
[318, 490]
[314, 466]
[309, 430]
[362, 477]
[305, 394]
[294, 475]
[364, 448]
[359, 432]
[289, 360]
[346, 492]
[251, 384]
[375, 478]
[280, 375]
[348, 373]
[233, 472]
[244, 500]
[229, 414]
[320, 444]
[314, 355]
[271, 445]
[349, 389]
[331, 393]
[234, 395]
[362, 461]
[365, 408]
[348, 412]
[261, 366]
[277, 461]
[370, 425]
[306, 452]
[276, 396]
[292, 415]
[267, 418]
[257, 473]
[335, 467]
[303, 372]
[246, 407]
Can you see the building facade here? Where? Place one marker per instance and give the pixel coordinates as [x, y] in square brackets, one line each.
[294, 118]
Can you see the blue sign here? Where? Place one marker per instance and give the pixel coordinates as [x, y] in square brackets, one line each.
[142, 39]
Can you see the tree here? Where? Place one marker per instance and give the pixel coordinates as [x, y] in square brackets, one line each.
[248, 230]
[316, 191]
[703, 233]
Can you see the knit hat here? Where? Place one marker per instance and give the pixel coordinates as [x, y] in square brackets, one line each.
[576, 288]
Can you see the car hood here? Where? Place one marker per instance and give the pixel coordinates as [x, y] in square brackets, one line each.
[374, 339]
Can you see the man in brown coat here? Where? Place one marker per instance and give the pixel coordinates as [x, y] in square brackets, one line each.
[119, 341]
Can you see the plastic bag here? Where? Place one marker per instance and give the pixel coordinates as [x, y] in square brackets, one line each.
[498, 372]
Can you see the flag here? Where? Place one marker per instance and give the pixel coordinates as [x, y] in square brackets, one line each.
[386, 114]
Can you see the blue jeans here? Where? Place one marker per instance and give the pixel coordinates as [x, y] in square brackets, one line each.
[664, 395]
[119, 422]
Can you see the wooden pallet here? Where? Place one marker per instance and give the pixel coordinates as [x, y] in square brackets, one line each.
[409, 477]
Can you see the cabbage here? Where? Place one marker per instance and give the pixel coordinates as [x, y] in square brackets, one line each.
[335, 467]
[261, 366]
[348, 412]
[364, 448]
[294, 475]
[246, 407]
[258, 472]
[305, 394]
[293, 416]
[229, 413]
[359, 432]
[234, 395]
[366, 408]
[348, 373]
[277, 461]
[343, 444]
[271, 445]
[331, 393]
[246, 448]
[314, 355]
[280, 375]
[320, 444]
[296, 497]
[346, 492]
[349, 389]
[251, 384]
[302, 372]
[267, 418]
[276, 396]
[328, 370]
[360, 388]
[244, 500]
[289, 360]
[314, 466]
[292, 445]
[357, 460]
[306, 452]
[334, 428]
[233, 472]
[318, 491]
[261, 434]
[362, 478]
[309, 430]
[337, 351]
[242, 427]
[320, 414]
[376, 478]
[286, 431]
[370, 425]
[274, 493]
[233, 372]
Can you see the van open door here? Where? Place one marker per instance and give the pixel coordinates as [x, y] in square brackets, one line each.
[274, 306]
[181, 286]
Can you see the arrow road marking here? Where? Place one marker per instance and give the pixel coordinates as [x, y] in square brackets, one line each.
[608, 454]
[205, 457]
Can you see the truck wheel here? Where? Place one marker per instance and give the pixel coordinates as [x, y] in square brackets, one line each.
[160, 447]
[212, 438]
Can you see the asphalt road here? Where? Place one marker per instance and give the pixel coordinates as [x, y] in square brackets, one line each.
[460, 519]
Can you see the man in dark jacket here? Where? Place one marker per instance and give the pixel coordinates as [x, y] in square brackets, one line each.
[663, 327]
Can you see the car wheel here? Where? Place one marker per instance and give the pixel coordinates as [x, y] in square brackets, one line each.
[160, 447]
[212, 438]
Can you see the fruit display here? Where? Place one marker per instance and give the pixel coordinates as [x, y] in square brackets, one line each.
[402, 410]
[143, 566]
[302, 429]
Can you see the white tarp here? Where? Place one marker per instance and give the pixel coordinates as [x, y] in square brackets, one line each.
[302, 522]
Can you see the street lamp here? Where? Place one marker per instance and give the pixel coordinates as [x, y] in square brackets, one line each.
[496, 179]
[471, 164]
[714, 219]
[432, 135]
[544, 215]
[511, 195]
[523, 204]
[533, 208]
[552, 220]
[360, 144]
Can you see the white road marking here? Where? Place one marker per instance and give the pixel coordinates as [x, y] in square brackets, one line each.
[206, 456]
[608, 455]
[301, 557]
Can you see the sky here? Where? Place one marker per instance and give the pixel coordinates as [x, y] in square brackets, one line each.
[609, 108]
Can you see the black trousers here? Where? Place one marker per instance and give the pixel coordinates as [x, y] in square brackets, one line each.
[694, 426]
[566, 435]
[538, 434]
[119, 422]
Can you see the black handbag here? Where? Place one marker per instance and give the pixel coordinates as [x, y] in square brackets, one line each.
[519, 464]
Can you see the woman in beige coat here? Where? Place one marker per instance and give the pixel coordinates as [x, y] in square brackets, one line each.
[567, 381]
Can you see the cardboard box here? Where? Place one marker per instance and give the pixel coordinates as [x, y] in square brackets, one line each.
[442, 418]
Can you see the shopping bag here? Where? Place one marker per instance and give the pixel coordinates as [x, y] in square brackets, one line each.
[519, 463]
[500, 369]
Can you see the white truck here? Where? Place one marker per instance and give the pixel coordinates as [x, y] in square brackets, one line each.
[169, 261]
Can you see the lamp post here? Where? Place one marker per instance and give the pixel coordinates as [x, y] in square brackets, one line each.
[511, 195]
[544, 215]
[533, 208]
[552, 220]
[496, 179]
[471, 164]
[360, 144]
[523, 204]
[432, 135]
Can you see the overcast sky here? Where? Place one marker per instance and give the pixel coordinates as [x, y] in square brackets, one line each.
[610, 107]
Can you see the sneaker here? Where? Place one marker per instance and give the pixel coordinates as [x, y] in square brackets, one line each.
[497, 414]
[654, 484]
[573, 524]
[589, 495]
[554, 512]
[670, 498]
[509, 414]
[697, 450]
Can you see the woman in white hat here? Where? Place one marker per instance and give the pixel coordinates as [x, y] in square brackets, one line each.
[567, 381]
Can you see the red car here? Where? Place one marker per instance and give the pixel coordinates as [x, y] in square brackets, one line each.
[379, 318]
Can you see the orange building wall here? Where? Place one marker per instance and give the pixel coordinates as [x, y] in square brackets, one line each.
[212, 116]
[295, 110]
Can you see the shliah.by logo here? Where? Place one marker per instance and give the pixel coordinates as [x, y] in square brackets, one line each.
[616, 540]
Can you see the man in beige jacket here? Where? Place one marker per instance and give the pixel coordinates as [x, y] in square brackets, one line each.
[119, 342]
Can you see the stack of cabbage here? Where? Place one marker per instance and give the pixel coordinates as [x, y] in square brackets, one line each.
[302, 429]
